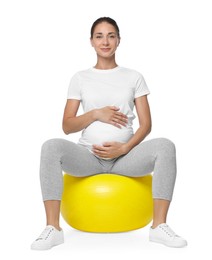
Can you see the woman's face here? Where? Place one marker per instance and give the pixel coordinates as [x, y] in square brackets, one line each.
[105, 40]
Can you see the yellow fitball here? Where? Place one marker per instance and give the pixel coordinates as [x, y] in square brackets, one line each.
[107, 202]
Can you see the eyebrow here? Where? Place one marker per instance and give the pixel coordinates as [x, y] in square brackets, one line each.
[108, 33]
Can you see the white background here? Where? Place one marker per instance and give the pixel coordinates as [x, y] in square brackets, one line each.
[43, 43]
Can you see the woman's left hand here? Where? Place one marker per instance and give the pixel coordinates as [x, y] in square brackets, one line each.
[110, 150]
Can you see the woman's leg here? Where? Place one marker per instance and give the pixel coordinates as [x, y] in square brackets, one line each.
[160, 212]
[58, 155]
[158, 156]
[52, 209]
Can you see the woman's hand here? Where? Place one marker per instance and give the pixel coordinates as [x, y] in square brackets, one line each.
[110, 115]
[110, 150]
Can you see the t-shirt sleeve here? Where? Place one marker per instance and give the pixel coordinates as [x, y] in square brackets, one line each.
[74, 88]
[141, 88]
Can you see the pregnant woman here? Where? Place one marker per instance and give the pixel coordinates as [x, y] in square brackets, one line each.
[108, 94]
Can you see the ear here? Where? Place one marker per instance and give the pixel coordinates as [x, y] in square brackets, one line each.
[91, 41]
[118, 42]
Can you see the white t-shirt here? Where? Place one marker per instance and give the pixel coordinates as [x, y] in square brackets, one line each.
[113, 87]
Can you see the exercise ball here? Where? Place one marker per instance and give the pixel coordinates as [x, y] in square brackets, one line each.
[107, 202]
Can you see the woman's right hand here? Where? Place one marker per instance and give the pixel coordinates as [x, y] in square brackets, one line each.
[111, 115]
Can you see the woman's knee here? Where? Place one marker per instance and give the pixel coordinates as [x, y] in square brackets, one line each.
[167, 146]
[50, 145]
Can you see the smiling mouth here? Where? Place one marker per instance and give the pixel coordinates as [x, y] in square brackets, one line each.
[105, 49]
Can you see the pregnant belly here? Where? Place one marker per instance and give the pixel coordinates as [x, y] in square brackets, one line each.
[98, 133]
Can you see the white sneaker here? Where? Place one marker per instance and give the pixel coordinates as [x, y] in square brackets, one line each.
[165, 235]
[49, 237]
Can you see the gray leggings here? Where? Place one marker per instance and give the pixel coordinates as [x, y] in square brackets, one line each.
[156, 155]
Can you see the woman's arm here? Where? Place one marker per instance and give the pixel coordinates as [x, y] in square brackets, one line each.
[145, 122]
[73, 123]
[116, 149]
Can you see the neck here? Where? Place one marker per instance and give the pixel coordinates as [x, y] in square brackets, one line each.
[106, 64]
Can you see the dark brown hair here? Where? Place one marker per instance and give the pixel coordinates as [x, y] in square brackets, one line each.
[107, 20]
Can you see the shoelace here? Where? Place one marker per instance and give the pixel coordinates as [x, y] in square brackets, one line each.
[168, 231]
[45, 234]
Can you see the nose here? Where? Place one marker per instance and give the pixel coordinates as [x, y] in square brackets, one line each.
[105, 40]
